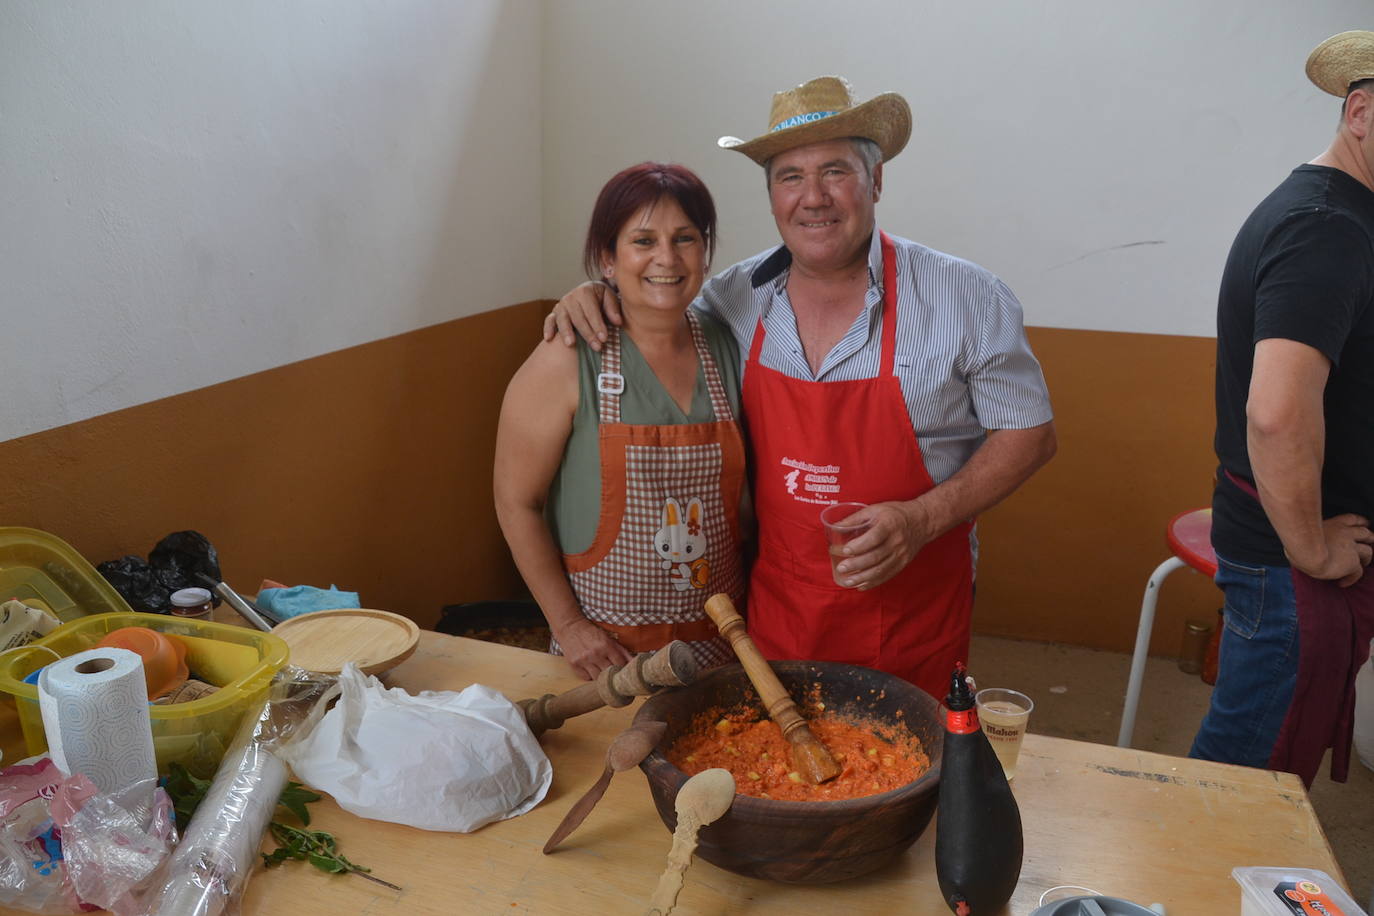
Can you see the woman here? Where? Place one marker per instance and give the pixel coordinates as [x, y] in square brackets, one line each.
[619, 474]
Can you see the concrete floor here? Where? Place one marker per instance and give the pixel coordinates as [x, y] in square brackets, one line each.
[1171, 706]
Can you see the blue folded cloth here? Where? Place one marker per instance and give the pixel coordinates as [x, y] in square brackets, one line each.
[283, 603]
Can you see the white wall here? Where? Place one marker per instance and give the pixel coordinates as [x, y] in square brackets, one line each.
[193, 191]
[1099, 156]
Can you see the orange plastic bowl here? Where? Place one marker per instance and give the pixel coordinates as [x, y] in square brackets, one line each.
[164, 656]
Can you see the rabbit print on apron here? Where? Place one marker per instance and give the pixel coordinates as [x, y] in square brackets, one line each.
[681, 543]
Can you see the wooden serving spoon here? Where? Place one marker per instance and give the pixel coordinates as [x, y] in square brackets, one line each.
[810, 757]
[701, 801]
[626, 750]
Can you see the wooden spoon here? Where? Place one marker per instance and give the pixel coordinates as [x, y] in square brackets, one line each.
[701, 801]
[810, 757]
[626, 750]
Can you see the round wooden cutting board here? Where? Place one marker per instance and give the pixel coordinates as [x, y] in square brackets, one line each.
[325, 641]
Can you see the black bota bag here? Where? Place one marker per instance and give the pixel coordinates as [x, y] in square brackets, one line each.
[978, 826]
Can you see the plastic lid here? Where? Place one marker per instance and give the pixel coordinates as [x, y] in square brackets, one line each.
[190, 597]
[1266, 890]
[1092, 905]
[37, 565]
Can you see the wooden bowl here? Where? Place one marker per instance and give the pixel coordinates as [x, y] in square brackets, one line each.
[804, 842]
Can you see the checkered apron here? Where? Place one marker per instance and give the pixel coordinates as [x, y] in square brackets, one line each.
[668, 536]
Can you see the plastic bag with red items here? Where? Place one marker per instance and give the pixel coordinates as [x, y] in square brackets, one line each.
[65, 848]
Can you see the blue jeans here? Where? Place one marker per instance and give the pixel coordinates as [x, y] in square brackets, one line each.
[1258, 665]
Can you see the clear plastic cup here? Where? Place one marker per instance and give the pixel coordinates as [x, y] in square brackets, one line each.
[1003, 714]
[840, 529]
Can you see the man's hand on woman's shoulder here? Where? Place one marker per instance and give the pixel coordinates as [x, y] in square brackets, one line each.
[585, 310]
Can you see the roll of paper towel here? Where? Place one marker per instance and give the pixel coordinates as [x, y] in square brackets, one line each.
[95, 714]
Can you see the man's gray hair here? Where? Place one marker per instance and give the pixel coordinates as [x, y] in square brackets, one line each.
[867, 150]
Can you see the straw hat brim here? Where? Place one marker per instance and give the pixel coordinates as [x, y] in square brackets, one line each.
[1341, 60]
[885, 119]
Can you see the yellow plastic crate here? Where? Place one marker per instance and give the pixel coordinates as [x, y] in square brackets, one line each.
[239, 661]
[42, 569]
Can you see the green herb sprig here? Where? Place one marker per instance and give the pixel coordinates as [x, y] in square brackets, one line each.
[294, 798]
[317, 847]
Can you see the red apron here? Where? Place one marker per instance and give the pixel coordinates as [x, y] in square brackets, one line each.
[815, 443]
[668, 534]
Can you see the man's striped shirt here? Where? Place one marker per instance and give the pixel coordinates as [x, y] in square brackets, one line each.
[962, 357]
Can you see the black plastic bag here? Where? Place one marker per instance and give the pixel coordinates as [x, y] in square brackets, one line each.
[137, 583]
[180, 555]
[172, 565]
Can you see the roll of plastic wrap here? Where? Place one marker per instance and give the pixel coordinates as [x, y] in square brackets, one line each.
[95, 714]
[208, 869]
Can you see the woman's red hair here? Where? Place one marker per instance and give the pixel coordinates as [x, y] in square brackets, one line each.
[640, 186]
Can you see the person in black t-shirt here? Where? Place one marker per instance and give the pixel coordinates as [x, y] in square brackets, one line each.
[1295, 439]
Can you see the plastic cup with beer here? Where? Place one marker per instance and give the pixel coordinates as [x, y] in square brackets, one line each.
[1003, 715]
[840, 529]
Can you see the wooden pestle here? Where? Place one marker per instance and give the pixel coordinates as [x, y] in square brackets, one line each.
[810, 757]
[616, 686]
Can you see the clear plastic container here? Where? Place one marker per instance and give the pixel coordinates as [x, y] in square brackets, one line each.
[1269, 891]
[239, 661]
[42, 569]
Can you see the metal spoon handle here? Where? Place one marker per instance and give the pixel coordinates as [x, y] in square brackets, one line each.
[579, 811]
[238, 604]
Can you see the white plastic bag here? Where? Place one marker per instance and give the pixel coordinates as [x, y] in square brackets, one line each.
[438, 760]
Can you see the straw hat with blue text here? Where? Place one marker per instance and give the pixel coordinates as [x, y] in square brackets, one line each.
[824, 109]
[1341, 60]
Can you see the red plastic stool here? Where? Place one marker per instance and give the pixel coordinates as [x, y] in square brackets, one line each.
[1190, 539]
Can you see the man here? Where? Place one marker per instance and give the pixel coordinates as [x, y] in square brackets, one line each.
[1295, 438]
[878, 371]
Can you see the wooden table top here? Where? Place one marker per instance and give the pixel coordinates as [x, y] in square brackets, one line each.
[1128, 823]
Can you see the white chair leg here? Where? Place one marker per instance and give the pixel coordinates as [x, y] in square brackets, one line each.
[1142, 647]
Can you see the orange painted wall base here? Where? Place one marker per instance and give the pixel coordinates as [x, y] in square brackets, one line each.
[370, 468]
[1066, 558]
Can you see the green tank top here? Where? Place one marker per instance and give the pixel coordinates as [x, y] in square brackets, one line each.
[574, 503]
